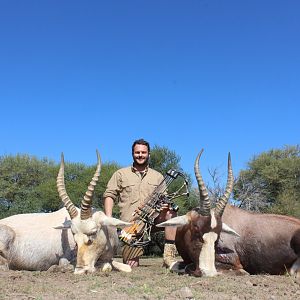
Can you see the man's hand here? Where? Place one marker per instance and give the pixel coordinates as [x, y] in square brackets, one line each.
[165, 207]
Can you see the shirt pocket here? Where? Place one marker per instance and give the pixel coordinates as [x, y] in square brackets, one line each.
[129, 193]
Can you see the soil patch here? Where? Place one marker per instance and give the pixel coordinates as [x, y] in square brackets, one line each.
[149, 281]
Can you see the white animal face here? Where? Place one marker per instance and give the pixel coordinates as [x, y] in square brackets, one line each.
[87, 254]
[87, 236]
[94, 237]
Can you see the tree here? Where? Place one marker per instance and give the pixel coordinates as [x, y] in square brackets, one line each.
[19, 177]
[162, 159]
[215, 188]
[28, 184]
[272, 182]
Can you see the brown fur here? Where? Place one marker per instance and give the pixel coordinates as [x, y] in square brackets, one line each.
[199, 230]
[268, 243]
[189, 238]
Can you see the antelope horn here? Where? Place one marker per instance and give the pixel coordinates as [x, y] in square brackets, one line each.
[86, 203]
[204, 198]
[60, 183]
[220, 206]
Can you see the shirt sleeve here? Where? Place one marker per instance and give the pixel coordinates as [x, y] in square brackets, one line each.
[113, 187]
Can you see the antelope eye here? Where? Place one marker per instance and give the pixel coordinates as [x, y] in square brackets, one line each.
[92, 235]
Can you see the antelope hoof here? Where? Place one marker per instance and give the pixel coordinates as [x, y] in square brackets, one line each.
[106, 267]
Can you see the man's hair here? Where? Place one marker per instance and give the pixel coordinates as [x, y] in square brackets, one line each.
[140, 142]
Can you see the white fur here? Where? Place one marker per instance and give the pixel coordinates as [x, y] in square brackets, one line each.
[32, 242]
[295, 269]
[207, 255]
[228, 229]
[37, 244]
[176, 222]
[213, 223]
[121, 267]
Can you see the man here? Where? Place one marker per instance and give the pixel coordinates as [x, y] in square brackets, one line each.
[131, 186]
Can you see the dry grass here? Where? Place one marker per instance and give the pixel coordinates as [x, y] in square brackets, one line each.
[149, 281]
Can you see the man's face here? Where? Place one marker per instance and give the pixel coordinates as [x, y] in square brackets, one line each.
[140, 155]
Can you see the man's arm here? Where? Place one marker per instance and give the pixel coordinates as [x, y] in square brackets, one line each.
[110, 194]
[108, 206]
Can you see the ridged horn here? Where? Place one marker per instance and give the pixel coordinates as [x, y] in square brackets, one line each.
[220, 206]
[204, 208]
[86, 203]
[60, 183]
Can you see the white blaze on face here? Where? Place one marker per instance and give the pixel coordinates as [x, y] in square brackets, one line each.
[213, 223]
[207, 253]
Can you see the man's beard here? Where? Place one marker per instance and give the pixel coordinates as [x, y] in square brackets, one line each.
[144, 165]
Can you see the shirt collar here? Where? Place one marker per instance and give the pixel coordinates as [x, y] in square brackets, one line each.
[134, 170]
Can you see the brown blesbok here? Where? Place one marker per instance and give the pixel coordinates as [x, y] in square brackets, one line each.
[265, 243]
[198, 231]
[268, 243]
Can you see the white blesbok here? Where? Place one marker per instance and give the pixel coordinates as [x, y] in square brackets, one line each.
[38, 241]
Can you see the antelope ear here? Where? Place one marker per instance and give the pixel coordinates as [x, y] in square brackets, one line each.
[227, 229]
[176, 222]
[110, 221]
[66, 225]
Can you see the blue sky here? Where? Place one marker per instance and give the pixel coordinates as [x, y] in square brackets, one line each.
[81, 75]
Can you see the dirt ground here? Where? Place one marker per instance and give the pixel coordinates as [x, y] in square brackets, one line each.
[149, 281]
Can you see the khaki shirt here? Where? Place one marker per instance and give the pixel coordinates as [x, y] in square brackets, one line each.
[131, 188]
